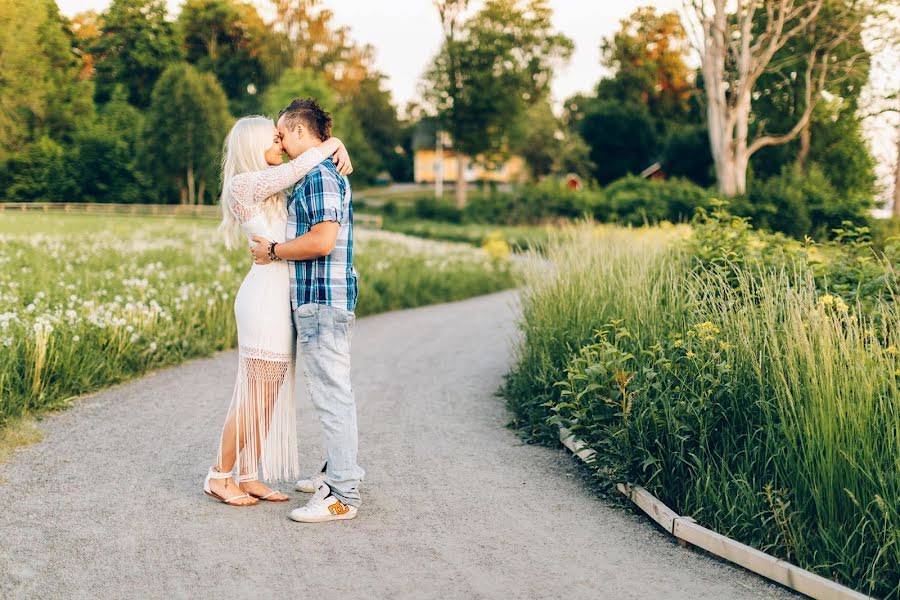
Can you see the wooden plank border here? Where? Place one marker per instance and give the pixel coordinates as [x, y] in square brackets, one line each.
[687, 531]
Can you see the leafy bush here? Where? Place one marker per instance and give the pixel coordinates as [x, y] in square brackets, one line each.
[633, 200]
[749, 380]
[799, 204]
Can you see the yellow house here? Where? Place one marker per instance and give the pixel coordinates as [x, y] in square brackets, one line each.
[426, 161]
[426, 164]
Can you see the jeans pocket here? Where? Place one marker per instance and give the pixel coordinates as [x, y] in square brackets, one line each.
[306, 323]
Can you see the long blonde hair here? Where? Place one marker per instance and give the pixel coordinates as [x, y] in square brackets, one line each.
[244, 151]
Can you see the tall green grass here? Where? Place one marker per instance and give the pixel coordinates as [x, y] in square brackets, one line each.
[736, 390]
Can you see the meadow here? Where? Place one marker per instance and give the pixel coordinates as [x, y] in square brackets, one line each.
[89, 301]
[747, 380]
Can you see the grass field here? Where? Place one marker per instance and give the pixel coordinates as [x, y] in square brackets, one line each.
[88, 301]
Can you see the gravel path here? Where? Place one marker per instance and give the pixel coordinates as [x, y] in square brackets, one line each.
[109, 504]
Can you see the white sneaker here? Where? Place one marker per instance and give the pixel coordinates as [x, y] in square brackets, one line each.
[323, 506]
[309, 486]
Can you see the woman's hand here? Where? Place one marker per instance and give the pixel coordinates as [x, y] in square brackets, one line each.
[260, 250]
[341, 160]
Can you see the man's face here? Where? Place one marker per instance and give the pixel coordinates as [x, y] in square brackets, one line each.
[297, 139]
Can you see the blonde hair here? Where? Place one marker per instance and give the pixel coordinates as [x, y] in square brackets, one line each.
[244, 151]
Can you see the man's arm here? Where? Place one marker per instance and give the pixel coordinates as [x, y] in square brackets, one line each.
[318, 241]
[322, 192]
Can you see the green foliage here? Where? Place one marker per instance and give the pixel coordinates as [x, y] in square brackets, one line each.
[40, 88]
[186, 123]
[733, 374]
[636, 201]
[622, 139]
[485, 78]
[42, 172]
[135, 46]
[647, 57]
[230, 39]
[686, 154]
[801, 204]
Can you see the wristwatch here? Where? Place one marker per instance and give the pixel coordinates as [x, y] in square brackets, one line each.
[272, 252]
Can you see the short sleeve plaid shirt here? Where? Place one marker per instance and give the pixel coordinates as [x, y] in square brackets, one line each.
[323, 195]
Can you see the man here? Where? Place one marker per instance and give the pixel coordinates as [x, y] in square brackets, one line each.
[319, 246]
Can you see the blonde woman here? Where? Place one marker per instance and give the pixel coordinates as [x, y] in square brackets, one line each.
[260, 427]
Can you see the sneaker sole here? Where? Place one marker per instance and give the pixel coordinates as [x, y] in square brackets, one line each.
[323, 519]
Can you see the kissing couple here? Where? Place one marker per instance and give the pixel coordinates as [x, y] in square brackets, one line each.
[300, 294]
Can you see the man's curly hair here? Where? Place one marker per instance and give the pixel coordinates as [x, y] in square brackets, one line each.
[308, 112]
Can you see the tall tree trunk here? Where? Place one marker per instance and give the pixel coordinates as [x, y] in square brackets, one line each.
[803, 155]
[182, 191]
[460, 180]
[200, 191]
[190, 184]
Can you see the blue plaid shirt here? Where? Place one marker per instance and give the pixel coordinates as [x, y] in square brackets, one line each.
[323, 195]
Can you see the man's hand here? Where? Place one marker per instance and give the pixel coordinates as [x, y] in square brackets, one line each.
[260, 250]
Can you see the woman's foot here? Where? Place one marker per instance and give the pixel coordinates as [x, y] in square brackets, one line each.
[258, 490]
[228, 491]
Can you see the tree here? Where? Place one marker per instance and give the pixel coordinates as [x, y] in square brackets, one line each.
[371, 105]
[490, 69]
[647, 56]
[186, 123]
[110, 166]
[622, 138]
[738, 48]
[230, 39]
[310, 41]
[686, 154]
[135, 46]
[41, 92]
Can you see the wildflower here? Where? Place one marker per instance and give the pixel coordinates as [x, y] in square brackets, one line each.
[76, 338]
[679, 343]
[826, 300]
[152, 346]
[891, 349]
[690, 354]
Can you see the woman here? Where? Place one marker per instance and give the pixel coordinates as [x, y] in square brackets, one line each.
[260, 428]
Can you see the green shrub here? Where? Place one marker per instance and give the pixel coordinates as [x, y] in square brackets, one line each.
[799, 204]
[728, 373]
[634, 201]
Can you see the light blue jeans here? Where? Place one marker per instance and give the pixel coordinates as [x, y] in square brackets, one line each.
[323, 335]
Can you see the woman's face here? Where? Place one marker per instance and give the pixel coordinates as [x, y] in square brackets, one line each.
[273, 153]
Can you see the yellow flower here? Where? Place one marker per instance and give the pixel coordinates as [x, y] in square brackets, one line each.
[826, 300]
[891, 349]
[707, 329]
[679, 343]
[498, 248]
[690, 354]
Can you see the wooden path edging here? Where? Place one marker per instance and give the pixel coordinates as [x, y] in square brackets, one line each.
[687, 531]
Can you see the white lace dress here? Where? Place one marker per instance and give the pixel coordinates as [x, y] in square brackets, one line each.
[263, 399]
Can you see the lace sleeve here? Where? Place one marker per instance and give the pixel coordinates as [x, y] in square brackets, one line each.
[248, 190]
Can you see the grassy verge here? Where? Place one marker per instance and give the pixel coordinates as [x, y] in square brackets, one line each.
[518, 237]
[746, 381]
[86, 301]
